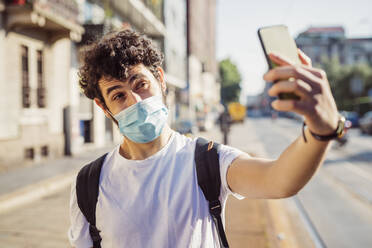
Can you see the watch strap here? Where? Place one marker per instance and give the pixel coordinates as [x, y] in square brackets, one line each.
[339, 132]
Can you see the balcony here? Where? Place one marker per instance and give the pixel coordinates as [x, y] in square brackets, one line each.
[143, 15]
[52, 15]
[156, 7]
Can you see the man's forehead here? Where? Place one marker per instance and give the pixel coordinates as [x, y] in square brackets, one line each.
[140, 68]
[133, 70]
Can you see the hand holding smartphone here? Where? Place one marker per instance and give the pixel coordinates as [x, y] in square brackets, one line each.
[276, 39]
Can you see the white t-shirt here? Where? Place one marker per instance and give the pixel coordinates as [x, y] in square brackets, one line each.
[155, 202]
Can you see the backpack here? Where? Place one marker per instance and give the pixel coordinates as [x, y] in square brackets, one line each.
[209, 180]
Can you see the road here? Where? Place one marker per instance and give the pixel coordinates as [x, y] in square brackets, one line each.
[338, 199]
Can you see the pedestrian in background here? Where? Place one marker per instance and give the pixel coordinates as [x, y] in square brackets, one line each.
[225, 123]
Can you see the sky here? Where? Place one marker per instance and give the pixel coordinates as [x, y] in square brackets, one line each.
[238, 21]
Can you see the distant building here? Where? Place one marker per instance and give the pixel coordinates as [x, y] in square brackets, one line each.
[35, 87]
[354, 50]
[317, 43]
[175, 64]
[330, 42]
[204, 89]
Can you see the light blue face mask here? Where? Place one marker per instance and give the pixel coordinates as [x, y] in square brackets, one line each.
[143, 122]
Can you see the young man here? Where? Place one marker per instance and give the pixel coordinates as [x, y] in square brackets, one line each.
[148, 190]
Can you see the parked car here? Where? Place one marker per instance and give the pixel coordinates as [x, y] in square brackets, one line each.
[351, 116]
[365, 123]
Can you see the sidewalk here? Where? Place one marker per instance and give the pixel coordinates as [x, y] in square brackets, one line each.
[26, 184]
[34, 204]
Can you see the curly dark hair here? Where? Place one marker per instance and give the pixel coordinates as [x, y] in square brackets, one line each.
[111, 57]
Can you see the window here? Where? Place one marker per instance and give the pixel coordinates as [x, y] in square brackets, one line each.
[317, 59]
[44, 151]
[370, 58]
[342, 59]
[41, 98]
[204, 67]
[29, 153]
[26, 101]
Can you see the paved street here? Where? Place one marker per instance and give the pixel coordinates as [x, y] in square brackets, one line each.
[337, 205]
[40, 224]
[338, 197]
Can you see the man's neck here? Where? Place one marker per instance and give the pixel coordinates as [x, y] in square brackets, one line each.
[138, 151]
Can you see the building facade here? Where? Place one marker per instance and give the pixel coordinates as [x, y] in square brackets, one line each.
[35, 45]
[44, 115]
[204, 89]
[331, 43]
[175, 64]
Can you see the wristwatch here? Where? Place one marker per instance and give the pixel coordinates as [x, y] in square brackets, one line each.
[338, 133]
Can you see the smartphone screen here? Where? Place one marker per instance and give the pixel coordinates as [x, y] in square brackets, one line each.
[276, 39]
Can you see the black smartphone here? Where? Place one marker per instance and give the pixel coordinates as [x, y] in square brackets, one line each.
[278, 40]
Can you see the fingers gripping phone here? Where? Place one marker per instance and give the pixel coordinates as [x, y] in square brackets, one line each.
[276, 39]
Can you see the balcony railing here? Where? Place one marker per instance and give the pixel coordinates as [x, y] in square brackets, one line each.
[156, 6]
[66, 8]
[52, 15]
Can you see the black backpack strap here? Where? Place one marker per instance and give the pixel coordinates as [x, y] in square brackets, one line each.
[209, 180]
[87, 183]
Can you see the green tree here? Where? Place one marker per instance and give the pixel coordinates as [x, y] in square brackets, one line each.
[230, 81]
[340, 77]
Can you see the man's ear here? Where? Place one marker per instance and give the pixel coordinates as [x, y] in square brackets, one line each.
[162, 80]
[102, 106]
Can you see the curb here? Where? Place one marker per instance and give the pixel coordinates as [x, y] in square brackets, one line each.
[286, 227]
[35, 191]
[51, 184]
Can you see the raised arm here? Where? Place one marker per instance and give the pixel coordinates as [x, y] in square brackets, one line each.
[284, 177]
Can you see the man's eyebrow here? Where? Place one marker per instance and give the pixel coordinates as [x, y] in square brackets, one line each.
[108, 91]
[130, 81]
[135, 77]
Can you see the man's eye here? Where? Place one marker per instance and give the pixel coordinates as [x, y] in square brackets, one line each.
[140, 85]
[118, 96]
